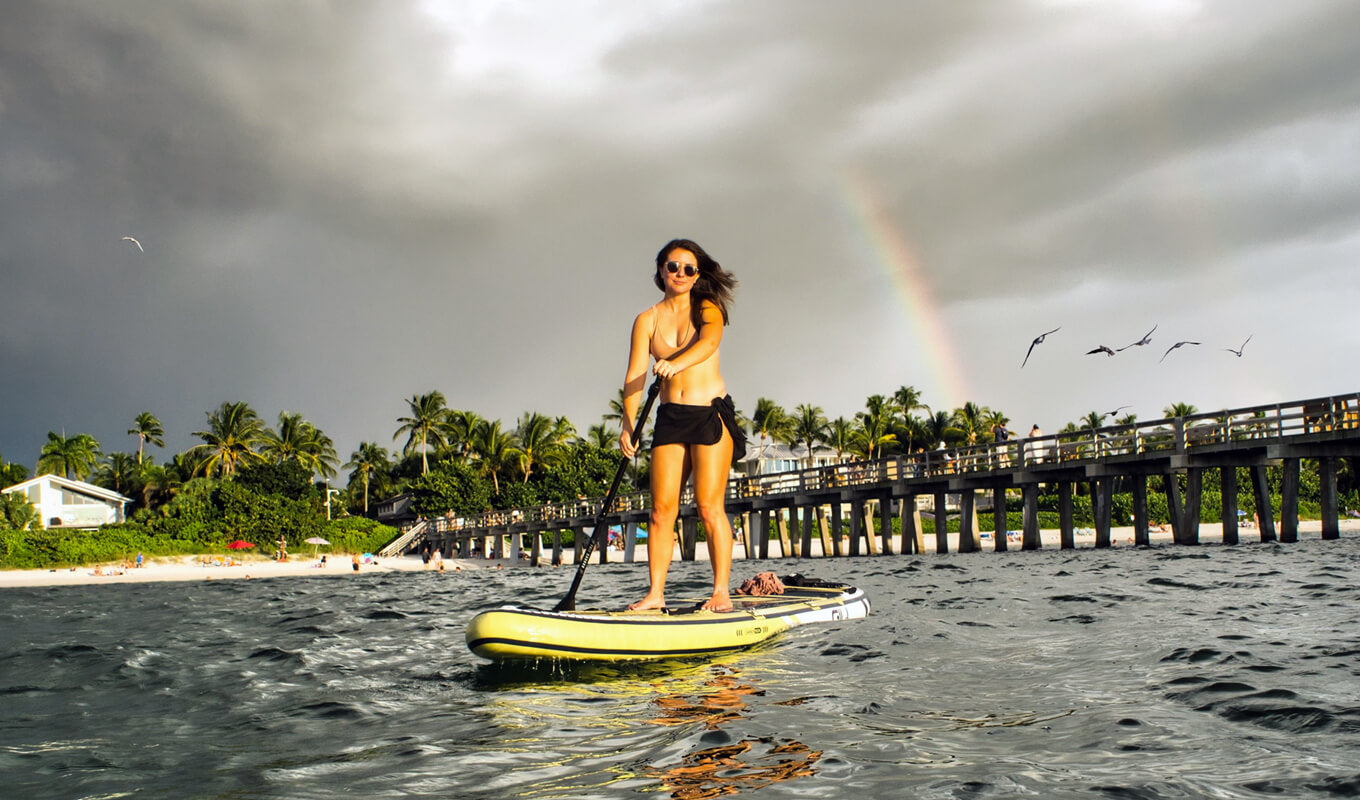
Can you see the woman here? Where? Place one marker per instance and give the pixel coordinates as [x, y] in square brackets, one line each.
[696, 429]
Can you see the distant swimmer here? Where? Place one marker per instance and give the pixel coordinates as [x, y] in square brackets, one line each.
[1037, 340]
[1147, 339]
[134, 241]
[1173, 347]
[1102, 349]
[1240, 348]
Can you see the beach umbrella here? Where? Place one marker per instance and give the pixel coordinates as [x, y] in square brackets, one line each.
[239, 544]
[317, 541]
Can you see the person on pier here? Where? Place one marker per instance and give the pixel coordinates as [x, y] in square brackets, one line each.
[696, 430]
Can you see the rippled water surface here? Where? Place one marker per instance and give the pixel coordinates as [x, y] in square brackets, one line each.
[1158, 673]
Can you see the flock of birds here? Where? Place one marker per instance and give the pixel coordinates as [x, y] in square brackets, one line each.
[1147, 339]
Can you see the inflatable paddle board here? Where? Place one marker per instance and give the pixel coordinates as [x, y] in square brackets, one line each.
[517, 633]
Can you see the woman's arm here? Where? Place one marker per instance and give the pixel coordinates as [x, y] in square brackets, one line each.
[710, 336]
[639, 352]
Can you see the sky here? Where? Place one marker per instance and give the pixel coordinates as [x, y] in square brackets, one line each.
[341, 205]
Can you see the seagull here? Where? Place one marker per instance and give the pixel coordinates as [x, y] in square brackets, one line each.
[1147, 338]
[1102, 349]
[1037, 340]
[1240, 348]
[1173, 347]
[134, 241]
[1116, 411]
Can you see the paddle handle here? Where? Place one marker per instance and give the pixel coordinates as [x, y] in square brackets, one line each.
[568, 603]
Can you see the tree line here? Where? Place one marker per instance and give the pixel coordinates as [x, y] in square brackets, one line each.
[453, 460]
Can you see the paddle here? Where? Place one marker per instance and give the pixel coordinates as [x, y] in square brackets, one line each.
[569, 602]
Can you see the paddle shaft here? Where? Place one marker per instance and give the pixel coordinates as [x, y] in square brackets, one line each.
[568, 603]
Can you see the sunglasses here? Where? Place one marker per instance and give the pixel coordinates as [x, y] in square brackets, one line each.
[688, 270]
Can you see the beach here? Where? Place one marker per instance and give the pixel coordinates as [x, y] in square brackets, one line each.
[249, 567]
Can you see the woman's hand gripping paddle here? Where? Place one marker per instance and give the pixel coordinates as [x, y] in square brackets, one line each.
[569, 602]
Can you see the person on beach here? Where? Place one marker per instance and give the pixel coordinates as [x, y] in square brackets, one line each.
[696, 432]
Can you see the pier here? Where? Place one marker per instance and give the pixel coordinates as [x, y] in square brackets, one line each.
[781, 515]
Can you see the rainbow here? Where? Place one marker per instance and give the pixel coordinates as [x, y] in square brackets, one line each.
[944, 387]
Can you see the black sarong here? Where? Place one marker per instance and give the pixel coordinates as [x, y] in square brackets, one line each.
[682, 424]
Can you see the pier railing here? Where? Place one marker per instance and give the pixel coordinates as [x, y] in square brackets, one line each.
[1321, 418]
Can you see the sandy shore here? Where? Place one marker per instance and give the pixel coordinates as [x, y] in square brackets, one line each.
[190, 568]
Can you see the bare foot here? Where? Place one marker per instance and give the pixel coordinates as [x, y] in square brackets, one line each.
[648, 602]
[720, 602]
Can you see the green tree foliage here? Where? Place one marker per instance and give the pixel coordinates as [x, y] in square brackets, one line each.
[809, 428]
[584, 471]
[69, 457]
[148, 430]
[119, 472]
[370, 466]
[425, 427]
[452, 486]
[234, 431]
[287, 478]
[17, 514]
[301, 442]
[11, 474]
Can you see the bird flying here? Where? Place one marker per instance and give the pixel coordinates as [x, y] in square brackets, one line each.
[1102, 349]
[1037, 340]
[1116, 411]
[134, 241]
[1147, 338]
[1173, 347]
[1240, 348]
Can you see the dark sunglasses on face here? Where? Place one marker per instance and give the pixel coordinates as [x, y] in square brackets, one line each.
[688, 270]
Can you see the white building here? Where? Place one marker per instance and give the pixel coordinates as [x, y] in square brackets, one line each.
[778, 457]
[64, 503]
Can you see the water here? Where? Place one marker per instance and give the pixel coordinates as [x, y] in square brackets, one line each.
[1164, 673]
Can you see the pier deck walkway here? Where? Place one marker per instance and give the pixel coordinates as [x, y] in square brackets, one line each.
[786, 510]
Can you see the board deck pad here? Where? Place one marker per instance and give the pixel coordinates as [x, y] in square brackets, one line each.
[519, 633]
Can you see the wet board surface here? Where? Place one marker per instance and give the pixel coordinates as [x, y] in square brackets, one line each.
[513, 632]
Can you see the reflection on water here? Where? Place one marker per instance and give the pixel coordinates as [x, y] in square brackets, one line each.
[750, 763]
[1143, 673]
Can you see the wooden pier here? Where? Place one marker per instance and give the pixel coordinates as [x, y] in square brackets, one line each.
[782, 514]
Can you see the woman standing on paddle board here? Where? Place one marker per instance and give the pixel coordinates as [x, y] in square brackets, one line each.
[696, 428]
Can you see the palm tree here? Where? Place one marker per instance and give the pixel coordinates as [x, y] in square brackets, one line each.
[994, 419]
[876, 421]
[809, 427]
[1179, 410]
[540, 441]
[492, 449]
[119, 472]
[602, 436]
[840, 435]
[12, 473]
[424, 427]
[234, 430]
[971, 420]
[17, 513]
[1092, 421]
[70, 457]
[370, 464]
[147, 429]
[158, 483]
[769, 420]
[301, 441]
[615, 413]
[939, 429]
[908, 399]
[458, 428]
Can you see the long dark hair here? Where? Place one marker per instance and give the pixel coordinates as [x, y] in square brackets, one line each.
[713, 283]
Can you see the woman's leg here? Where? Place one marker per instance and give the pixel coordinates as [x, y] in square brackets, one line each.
[668, 472]
[711, 465]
